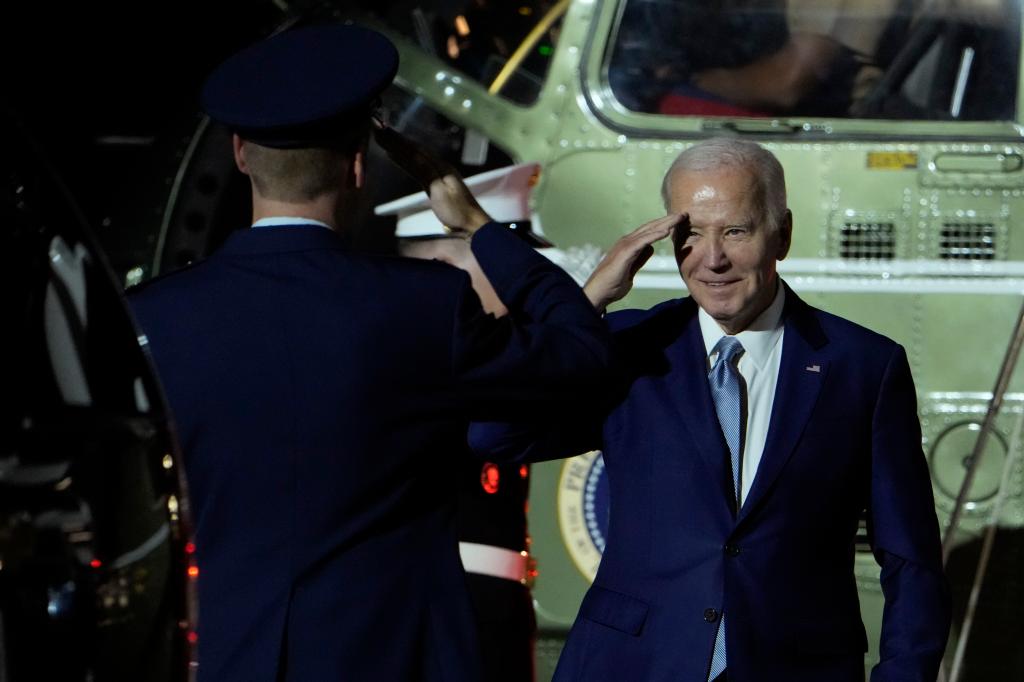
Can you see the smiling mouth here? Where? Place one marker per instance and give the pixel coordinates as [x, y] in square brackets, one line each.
[717, 285]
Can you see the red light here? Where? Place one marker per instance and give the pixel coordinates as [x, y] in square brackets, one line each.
[524, 471]
[193, 637]
[190, 548]
[95, 563]
[193, 571]
[490, 477]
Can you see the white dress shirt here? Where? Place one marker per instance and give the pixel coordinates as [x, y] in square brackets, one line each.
[759, 367]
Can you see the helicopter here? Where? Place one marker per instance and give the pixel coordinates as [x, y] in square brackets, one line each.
[905, 167]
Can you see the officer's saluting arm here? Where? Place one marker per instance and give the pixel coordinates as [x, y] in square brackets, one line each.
[577, 428]
[552, 345]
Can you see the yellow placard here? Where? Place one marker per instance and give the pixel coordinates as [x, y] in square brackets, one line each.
[892, 160]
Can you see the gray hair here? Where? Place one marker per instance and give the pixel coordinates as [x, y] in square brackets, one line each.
[730, 152]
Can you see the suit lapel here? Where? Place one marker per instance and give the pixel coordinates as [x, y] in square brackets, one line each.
[802, 373]
[688, 387]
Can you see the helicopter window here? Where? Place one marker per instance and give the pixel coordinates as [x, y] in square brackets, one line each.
[897, 59]
[507, 46]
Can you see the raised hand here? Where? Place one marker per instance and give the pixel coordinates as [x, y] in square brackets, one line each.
[455, 206]
[613, 277]
[450, 199]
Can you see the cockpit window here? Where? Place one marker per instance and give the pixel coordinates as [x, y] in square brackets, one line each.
[507, 46]
[895, 59]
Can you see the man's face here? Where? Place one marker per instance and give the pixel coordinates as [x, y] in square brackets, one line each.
[727, 258]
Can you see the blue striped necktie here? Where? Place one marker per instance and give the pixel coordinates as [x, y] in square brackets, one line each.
[724, 380]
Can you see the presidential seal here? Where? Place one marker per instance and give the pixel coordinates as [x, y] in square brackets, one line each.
[583, 506]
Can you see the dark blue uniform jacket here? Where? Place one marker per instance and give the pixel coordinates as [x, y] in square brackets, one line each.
[313, 390]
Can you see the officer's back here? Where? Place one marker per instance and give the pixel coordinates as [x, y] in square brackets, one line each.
[311, 386]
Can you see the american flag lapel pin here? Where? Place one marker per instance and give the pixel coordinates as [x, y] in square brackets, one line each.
[813, 368]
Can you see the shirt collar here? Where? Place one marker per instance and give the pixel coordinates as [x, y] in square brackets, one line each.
[759, 338]
[279, 221]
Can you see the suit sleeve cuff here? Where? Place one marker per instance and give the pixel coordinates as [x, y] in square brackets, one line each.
[504, 257]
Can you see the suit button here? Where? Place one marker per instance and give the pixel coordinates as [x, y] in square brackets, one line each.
[732, 550]
[710, 615]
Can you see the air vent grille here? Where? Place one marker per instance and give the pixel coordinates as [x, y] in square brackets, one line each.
[867, 240]
[967, 241]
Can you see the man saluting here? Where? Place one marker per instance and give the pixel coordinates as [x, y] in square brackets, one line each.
[746, 437]
[310, 385]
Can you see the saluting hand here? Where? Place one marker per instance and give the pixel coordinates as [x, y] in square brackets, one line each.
[450, 199]
[613, 277]
[455, 206]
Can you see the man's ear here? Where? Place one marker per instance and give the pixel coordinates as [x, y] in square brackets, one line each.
[238, 147]
[785, 234]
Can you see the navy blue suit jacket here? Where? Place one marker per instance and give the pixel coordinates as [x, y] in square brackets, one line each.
[321, 399]
[844, 436]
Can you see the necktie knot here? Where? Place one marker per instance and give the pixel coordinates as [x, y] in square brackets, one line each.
[728, 347]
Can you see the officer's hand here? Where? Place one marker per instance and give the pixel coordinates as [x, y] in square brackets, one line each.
[455, 206]
[613, 277]
[452, 202]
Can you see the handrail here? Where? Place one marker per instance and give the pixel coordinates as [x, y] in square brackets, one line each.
[513, 63]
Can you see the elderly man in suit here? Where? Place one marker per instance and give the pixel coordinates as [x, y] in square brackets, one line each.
[314, 387]
[746, 436]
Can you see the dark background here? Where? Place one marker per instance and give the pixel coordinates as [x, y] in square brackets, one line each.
[109, 93]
